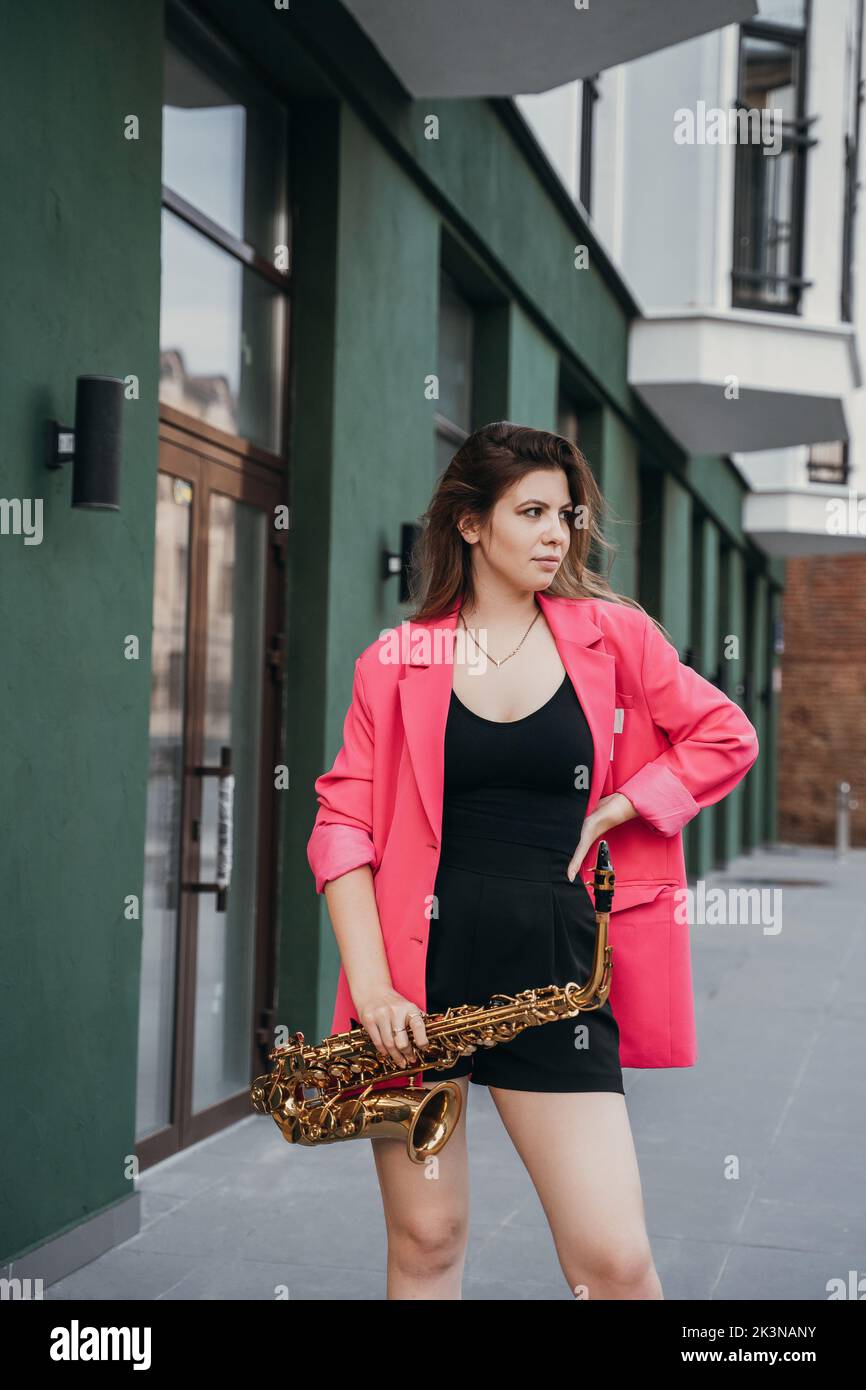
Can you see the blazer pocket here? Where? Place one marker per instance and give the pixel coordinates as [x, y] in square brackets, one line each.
[621, 703]
[635, 891]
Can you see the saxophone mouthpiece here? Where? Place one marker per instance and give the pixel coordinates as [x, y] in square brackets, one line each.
[603, 879]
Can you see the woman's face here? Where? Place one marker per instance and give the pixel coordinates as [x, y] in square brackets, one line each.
[528, 533]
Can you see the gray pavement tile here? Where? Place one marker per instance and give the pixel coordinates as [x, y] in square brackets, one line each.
[123, 1274]
[484, 1289]
[313, 1228]
[278, 1283]
[818, 1111]
[778, 1272]
[702, 1171]
[696, 1211]
[217, 1221]
[807, 1223]
[185, 1175]
[776, 981]
[528, 1253]
[770, 1042]
[155, 1205]
[520, 1207]
[815, 1159]
[688, 1268]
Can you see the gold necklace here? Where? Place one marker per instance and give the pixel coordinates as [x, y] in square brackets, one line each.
[496, 663]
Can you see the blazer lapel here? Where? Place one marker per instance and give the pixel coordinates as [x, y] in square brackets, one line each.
[426, 684]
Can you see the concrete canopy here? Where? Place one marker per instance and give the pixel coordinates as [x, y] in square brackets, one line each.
[500, 48]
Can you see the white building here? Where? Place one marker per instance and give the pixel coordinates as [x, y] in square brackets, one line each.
[743, 243]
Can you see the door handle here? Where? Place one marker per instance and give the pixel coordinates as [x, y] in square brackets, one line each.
[225, 824]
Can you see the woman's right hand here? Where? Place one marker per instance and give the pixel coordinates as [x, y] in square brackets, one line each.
[394, 1024]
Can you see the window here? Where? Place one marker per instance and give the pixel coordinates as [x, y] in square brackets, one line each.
[225, 283]
[791, 13]
[456, 345]
[769, 188]
[828, 463]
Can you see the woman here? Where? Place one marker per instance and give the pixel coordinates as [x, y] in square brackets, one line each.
[524, 713]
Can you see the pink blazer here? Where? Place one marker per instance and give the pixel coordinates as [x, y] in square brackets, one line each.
[662, 735]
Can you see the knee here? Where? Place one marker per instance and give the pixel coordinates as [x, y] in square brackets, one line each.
[428, 1245]
[619, 1269]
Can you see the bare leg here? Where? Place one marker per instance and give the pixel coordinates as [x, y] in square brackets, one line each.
[426, 1214]
[579, 1151]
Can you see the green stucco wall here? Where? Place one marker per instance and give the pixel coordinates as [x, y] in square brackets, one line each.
[80, 251]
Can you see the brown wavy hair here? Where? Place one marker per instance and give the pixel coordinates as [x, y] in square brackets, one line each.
[484, 467]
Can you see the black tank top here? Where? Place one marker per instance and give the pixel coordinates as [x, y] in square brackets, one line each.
[526, 781]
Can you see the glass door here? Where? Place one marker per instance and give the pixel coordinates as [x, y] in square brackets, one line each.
[207, 949]
[227, 827]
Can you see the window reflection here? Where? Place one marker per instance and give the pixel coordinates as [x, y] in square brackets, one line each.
[224, 151]
[225, 249]
[221, 335]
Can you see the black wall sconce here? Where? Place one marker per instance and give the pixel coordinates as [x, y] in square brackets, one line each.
[94, 445]
[398, 562]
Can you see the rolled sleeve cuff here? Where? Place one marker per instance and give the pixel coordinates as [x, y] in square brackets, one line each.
[333, 850]
[660, 798]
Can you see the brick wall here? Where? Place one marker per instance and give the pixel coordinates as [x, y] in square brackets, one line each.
[822, 708]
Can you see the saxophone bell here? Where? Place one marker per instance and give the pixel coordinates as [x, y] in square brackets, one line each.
[425, 1117]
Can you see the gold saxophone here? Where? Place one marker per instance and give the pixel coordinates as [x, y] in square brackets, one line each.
[424, 1116]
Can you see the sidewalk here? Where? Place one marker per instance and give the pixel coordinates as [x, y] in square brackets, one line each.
[779, 1084]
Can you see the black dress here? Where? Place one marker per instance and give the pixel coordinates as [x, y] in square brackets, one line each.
[508, 917]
